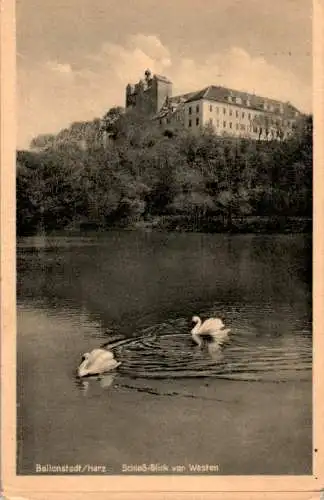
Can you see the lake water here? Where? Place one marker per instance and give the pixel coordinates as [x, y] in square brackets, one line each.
[245, 407]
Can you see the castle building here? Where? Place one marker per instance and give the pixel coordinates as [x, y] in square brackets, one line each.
[150, 94]
[223, 110]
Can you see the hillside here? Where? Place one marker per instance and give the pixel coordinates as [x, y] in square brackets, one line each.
[124, 171]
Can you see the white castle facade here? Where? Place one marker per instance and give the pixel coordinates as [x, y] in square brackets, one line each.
[225, 111]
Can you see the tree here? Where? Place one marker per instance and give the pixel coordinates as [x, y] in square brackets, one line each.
[75, 176]
[43, 141]
[110, 119]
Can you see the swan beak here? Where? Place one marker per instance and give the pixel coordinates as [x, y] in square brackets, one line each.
[82, 371]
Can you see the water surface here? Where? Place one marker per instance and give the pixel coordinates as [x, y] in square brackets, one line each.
[136, 293]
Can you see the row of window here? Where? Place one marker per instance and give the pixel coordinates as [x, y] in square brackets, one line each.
[230, 124]
[190, 109]
[241, 126]
[217, 111]
[230, 112]
[238, 114]
[197, 122]
[238, 126]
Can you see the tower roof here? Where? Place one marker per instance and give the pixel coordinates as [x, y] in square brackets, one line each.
[162, 78]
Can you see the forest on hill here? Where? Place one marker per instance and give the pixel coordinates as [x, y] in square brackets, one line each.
[123, 171]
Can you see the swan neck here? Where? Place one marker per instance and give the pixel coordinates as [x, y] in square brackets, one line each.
[196, 338]
[196, 328]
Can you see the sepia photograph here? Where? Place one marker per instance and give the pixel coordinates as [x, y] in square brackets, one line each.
[164, 238]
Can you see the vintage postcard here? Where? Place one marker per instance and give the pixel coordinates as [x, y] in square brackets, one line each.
[162, 257]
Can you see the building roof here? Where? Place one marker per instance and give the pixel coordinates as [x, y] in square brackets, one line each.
[223, 94]
[181, 98]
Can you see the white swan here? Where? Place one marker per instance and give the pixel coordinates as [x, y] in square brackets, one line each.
[212, 328]
[97, 362]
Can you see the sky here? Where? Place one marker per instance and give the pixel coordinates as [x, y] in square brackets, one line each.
[75, 57]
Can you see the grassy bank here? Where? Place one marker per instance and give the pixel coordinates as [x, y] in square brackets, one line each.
[187, 224]
[253, 224]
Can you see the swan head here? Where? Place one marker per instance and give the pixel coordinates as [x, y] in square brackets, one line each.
[195, 319]
[82, 369]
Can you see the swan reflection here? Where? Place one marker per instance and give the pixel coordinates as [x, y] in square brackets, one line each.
[93, 382]
[215, 351]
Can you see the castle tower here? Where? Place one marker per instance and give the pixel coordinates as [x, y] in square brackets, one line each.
[149, 94]
[161, 90]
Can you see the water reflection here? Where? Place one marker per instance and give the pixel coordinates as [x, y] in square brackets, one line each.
[86, 385]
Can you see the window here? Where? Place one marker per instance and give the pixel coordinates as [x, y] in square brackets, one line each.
[243, 114]
[237, 126]
[230, 125]
[230, 112]
[197, 108]
[189, 123]
[197, 121]
[190, 110]
[224, 111]
[217, 110]
[210, 107]
[242, 127]
[249, 115]
[255, 129]
[224, 124]
[210, 121]
[237, 114]
[217, 123]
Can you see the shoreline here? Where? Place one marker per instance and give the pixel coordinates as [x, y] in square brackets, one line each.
[61, 239]
[178, 224]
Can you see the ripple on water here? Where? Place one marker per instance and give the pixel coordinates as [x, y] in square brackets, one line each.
[166, 351]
